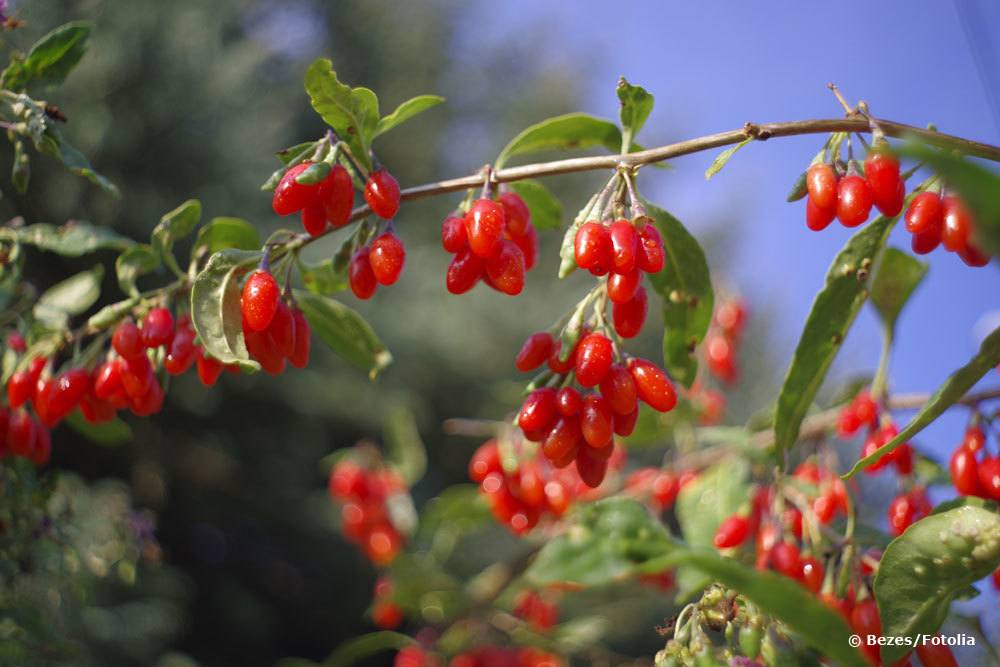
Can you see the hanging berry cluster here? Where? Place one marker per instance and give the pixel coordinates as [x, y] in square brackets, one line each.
[273, 331]
[936, 218]
[973, 471]
[375, 507]
[722, 341]
[493, 240]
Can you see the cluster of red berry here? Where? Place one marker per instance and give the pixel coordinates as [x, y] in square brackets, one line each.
[377, 264]
[365, 495]
[579, 428]
[386, 614]
[778, 526]
[936, 220]
[274, 331]
[539, 611]
[973, 471]
[723, 339]
[520, 498]
[623, 251]
[480, 656]
[848, 195]
[493, 241]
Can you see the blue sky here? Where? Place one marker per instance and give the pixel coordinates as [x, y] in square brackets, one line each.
[713, 66]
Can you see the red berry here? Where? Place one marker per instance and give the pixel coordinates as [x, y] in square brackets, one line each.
[812, 574]
[70, 388]
[936, 655]
[107, 379]
[360, 274]
[974, 438]
[925, 214]
[594, 356]
[464, 272]
[563, 439]
[16, 342]
[926, 242]
[453, 236]
[732, 532]
[957, 224]
[300, 354]
[592, 246]
[336, 196]
[387, 615]
[974, 257]
[818, 219]
[965, 472]
[625, 424]
[568, 402]
[591, 467]
[854, 201]
[619, 389]
[138, 376]
[562, 366]
[596, 420]
[314, 219]
[651, 257]
[624, 246]
[989, 476]
[865, 621]
[664, 489]
[150, 403]
[209, 368]
[901, 514]
[260, 300]
[622, 286]
[127, 339]
[654, 387]
[387, 257]
[291, 197]
[157, 327]
[785, 559]
[534, 352]
[505, 269]
[882, 174]
[517, 213]
[538, 410]
[382, 194]
[485, 460]
[866, 409]
[20, 388]
[629, 317]
[42, 447]
[485, 223]
[21, 434]
[281, 333]
[180, 353]
[528, 243]
[821, 183]
[720, 357]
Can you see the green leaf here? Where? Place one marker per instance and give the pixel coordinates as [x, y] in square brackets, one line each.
[685, 287]
[72, 239]
[405, 450]
[344, 331]
[636, 104]
[72, 296]
[111, 313]
[109, 433]
[898, 275]
[323, 277]
[137, 261]
[351, 112]
[957, 384]
[609, 540]
[222, 233]
[354, 650]
[546, 210]
[51, 58]
[296, 153]
[722, 158]
[215, 306]
[567, 255]
[560, 133]
[406, 111]
[76, 162]
[819, 626]
[927, 566]
[799, 189]
[977, 186]
[832, 315]
[173, 226]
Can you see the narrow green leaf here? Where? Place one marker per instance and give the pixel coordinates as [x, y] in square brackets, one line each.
[560, 133]
[73, 239]
[977, 186]
[296, 153]
[109, 433]
[899, 273]
[926, 567]
[957, 384]
[351, 112]
[222, 233]
[405, 450]
[609, 540]
[799, 189]
[51, 58]
[215, 306]
[546, 210]
[833, 312]
[344, 331]
[111, 313]
[819, 626]
[406, 111]
[76, 162]
[136, 261]
[355, 650]
[72, 296]
[635, 106]
[722, 158]
[175, 225]
[685, 288]
[567, 255]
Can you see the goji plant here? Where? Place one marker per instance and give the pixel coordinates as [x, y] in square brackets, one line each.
[755, 537]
